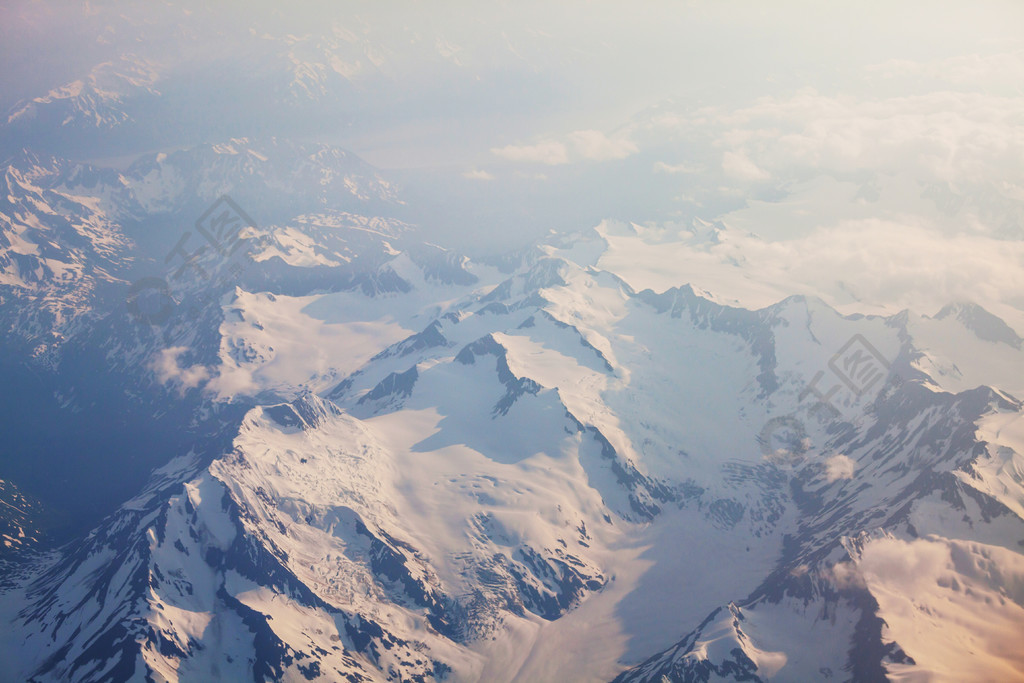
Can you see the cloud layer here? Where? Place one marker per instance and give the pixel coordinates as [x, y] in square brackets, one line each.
[580, 145]
[839, 467]
[168, 370]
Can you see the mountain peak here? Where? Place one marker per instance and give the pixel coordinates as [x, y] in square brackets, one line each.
[983, 324]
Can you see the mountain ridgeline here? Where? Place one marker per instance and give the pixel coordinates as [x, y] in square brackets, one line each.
[258, 427]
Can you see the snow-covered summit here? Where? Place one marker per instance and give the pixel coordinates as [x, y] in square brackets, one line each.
[418, 466]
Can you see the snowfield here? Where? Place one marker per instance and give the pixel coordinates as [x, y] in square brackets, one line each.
[609, 457]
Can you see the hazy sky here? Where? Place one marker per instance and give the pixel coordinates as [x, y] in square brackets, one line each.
[807, 123]
[472, 76]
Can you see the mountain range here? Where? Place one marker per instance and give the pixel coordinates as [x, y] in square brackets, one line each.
[258, 426]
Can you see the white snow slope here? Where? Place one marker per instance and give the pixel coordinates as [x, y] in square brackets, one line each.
[546, 475]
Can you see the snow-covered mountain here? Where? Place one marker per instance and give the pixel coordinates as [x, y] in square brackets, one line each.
[99, 100]
[401, 464]
[104, 269]
[270, 413]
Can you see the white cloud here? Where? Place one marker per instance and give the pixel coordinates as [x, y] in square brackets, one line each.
[884, 262]
[672, 169]
[961, 140]
[232, 381]
[477, 174]
[549, 152]
[909, 565]
[1001, 71]
[168, 371]
[738, 165]
[845, 576]
[580, 145]
[872, 201]
[596, 146]
[950, 157]
[871, 264]
[800, 570]
[838, 467]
